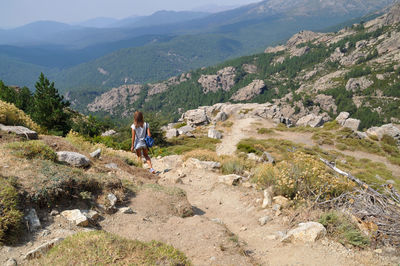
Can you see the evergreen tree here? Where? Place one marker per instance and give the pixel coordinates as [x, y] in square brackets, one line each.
[49, 107]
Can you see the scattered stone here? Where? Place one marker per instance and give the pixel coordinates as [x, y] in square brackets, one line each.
[267, 157]
[96, 154]
[353, 124]
[112, 199]
[20, 131]
[232, 180]
[243, 228]
[311, 120]
[282, 201]
[305, 232]
[378, 251]
[33, 220]
[91, 214]
[276, 207]
[217, 220]
[54, 213]
[254, 157]
[214, 134]
[11, 262]
[185, 130]
[264, 220]
[73, 158]
[171, 133]
[43, 249]
[248, 185]
[111, 166]
[267, 201]
[126, 210]
[76, 216]
[109, 133]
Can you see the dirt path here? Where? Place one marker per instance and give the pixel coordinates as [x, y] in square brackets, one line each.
[205, 239]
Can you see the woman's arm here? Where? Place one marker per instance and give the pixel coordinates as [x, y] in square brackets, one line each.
[133, 139]
[148, 130]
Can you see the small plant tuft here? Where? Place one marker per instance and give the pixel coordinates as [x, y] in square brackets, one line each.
[34, 149]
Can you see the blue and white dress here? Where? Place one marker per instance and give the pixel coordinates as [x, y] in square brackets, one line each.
[140, 135]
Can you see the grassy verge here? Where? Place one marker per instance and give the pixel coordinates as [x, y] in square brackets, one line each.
[101, 248]
[10, 214]
[34, 149]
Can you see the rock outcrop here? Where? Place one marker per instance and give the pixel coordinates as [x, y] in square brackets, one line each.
[223, 80]
[20, 131]
[250, 91]
[389, 129]
[358, 84]
[311, 120]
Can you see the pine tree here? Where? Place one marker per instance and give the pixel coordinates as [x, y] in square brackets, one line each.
[49, 107]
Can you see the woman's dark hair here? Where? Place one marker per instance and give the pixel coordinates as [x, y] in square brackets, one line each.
[138, 119]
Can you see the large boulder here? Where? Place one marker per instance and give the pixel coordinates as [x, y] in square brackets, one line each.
[358, 83]
[342, 117]
[305, 232]
[185, 129]
[20, 131]
[352, 123]
[250, 91]
[221, 117]
[224, 79]
[196, 117]
[388, 129]
[311, 120]
[73, 158]
[96, 154]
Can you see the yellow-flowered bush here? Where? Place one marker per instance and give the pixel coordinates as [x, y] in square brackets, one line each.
[11, 115]
[302, 176]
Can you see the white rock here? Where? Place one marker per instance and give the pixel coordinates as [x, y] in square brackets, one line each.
[264, 220]
[231, 180]
[221, 117]
[276, 207]
[361, 83]
[267, 201]
[91, 214]
[11, 262]
[196, 117]
[112, 199]
[73, 158]
[126, 210]
[254, 157]
[310, 120]
[76, 216]
[342, 117]
[214, 134]
[352, 123]
[33, 220]
[305, 232]
[109, 133]
[185, 129]
[43, 249]
[111, 166]
[205, 165]
[96, 154]
[20, 131]
[171, 133]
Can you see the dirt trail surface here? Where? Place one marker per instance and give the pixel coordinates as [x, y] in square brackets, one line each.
[219, 210]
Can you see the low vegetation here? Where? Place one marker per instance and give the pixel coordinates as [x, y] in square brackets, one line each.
[10, 213]
[11, 115]
[34, 149]
[183, 145]
[340, 228]
[101, 248]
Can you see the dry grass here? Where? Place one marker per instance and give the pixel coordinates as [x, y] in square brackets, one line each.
[101, 248]
[202, 155]
[11, 115]
[32, 149]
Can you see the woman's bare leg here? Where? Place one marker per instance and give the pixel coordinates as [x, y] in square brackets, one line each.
[147, 157]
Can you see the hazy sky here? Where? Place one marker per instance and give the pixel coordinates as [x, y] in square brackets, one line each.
[19, 12]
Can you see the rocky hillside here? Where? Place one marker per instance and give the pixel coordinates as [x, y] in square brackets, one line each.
[354, 70]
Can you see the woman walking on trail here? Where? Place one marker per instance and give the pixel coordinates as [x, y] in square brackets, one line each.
[140, 130]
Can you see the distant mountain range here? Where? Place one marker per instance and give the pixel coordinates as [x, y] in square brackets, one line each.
[96, 55]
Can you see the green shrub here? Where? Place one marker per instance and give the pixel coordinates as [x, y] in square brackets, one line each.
[177, 126]
[339, 227]
[247, 148]
[10, 215]
[34, 149]
[102, 248]
[233, 166]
